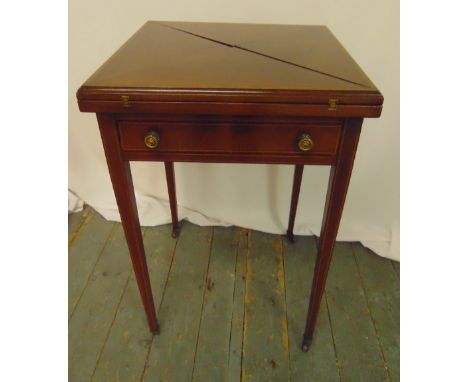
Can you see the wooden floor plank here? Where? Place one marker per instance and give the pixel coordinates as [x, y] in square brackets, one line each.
[265, 353]
[95, 312]
[396, 266]
[237, 321]
[382, 289]
[126, 349]
[84, 254]
[212, 354]
[173, 351]
[319, 364]
[75, 220]
[357, 347]
[108, 326]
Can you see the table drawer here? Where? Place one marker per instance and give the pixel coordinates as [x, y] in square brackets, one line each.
[229, 138]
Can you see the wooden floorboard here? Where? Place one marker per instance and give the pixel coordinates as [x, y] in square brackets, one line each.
[382, 289]
[84, 253]
[173, 351]
[232, 305]
[75, 221]
[126, 349]
[236, 336]
[96, 310]
[357, 347]
[212, 353]
[266, 344]
[319, 363]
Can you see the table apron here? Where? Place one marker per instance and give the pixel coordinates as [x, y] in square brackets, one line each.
[254, 158]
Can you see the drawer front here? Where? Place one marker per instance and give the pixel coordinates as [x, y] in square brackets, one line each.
[229, 138]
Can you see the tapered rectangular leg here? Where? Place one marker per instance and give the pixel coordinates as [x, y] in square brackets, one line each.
[121, 178]
[171, 188]
[298, 170]
[340, 175]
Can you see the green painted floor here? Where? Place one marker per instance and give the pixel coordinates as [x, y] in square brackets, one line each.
[231, 304]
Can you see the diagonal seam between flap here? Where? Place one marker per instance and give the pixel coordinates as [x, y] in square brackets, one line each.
[265, 55]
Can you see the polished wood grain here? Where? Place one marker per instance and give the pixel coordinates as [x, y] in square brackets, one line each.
[340, 176]
[271, 64]
[267, 109]
[171, 189]
[230, 93]
[122, 182]
[206, 138]
[298, 171]
[228, 139]
[216, 64]
[311, 47]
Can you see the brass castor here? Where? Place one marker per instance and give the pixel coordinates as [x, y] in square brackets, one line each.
[156, 331]
[306, 345]
[175, 232]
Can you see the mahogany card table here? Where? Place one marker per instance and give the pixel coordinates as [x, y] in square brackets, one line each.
[231, 93]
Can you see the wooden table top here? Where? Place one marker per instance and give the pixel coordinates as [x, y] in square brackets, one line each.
[258, 63]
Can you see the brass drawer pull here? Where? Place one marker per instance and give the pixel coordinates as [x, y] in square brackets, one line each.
[305, 142]
[152, 140]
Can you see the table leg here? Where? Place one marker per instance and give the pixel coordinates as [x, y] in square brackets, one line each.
[121, 177]
[171, 188]
[340, 175]
[298, 170]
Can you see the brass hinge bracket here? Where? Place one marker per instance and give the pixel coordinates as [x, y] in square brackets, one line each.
[332, 104]
[125, 101]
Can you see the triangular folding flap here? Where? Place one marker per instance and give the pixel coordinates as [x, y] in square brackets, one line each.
[312, 47]
[162, 57]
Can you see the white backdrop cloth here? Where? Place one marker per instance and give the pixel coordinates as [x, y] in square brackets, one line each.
[251, 196]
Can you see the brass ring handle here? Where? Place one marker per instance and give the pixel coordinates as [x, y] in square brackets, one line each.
[152, 140]
[305, 142]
